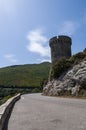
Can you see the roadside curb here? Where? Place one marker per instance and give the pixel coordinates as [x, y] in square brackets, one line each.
[6, 108]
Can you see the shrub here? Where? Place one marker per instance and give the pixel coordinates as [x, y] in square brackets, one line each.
[64, 64]
[75, 59]
[61, 66]
[35, 90]
[43, 83]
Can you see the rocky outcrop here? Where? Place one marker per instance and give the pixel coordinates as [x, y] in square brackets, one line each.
[71, 83]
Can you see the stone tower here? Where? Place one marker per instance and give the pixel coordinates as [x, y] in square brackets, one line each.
[60, 47]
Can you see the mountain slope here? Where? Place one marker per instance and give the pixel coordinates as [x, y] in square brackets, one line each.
[24, 75]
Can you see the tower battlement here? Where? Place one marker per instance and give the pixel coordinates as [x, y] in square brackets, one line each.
[60, 47]
[53, 40]
[63, 39]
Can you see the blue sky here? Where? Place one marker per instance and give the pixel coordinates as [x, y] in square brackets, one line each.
[27, 25]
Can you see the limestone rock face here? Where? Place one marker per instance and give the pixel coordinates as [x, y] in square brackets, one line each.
[72, 83]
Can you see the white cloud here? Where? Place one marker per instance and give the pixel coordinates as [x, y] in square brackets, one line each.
[37, 41]
[45, 60]
[68, 28]
[11, 58]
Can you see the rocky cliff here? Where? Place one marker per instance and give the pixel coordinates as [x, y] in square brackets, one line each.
[70, 82]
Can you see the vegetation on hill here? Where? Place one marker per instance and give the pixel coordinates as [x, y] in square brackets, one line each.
[64, 64]
[24, 75]
[19, 76]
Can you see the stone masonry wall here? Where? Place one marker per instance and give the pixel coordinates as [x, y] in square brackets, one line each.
[60, 47]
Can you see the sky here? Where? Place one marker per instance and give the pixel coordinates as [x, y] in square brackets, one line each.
[27, 25]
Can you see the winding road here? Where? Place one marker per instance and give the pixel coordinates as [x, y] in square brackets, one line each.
[37, 112]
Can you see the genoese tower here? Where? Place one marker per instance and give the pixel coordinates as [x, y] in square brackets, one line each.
[60, 47]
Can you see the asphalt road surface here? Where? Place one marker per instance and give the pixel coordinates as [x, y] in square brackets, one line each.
[36, 112]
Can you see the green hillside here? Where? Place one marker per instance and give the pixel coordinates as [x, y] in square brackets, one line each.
[24, 75]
